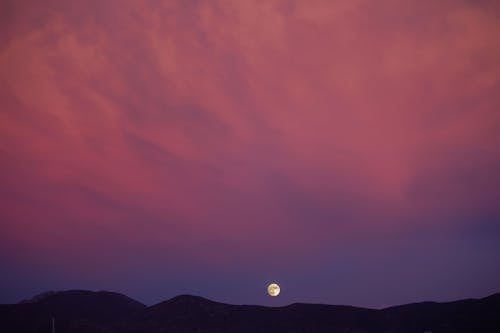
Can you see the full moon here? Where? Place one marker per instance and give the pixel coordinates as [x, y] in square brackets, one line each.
[273, 289]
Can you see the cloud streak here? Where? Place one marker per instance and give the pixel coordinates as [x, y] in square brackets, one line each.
[226, 134]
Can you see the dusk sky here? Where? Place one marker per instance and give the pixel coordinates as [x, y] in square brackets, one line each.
[348, 150]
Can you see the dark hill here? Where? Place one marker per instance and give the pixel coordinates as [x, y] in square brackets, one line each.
[83, 311]
[74, 311]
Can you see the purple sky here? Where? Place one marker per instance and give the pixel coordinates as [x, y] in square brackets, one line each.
[348, 150]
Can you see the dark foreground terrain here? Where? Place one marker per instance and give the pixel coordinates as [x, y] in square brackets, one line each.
[90, 312]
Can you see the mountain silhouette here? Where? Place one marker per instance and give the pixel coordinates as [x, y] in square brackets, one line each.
[74, 311]
[86, 311]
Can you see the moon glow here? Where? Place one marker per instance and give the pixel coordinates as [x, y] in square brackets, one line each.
[273, 289]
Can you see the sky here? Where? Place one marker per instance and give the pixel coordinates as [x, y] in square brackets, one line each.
[345, 149]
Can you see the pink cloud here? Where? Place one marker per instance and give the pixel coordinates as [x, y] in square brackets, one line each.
[284, 125]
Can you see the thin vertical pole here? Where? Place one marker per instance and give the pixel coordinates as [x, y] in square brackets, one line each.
[53, 325]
